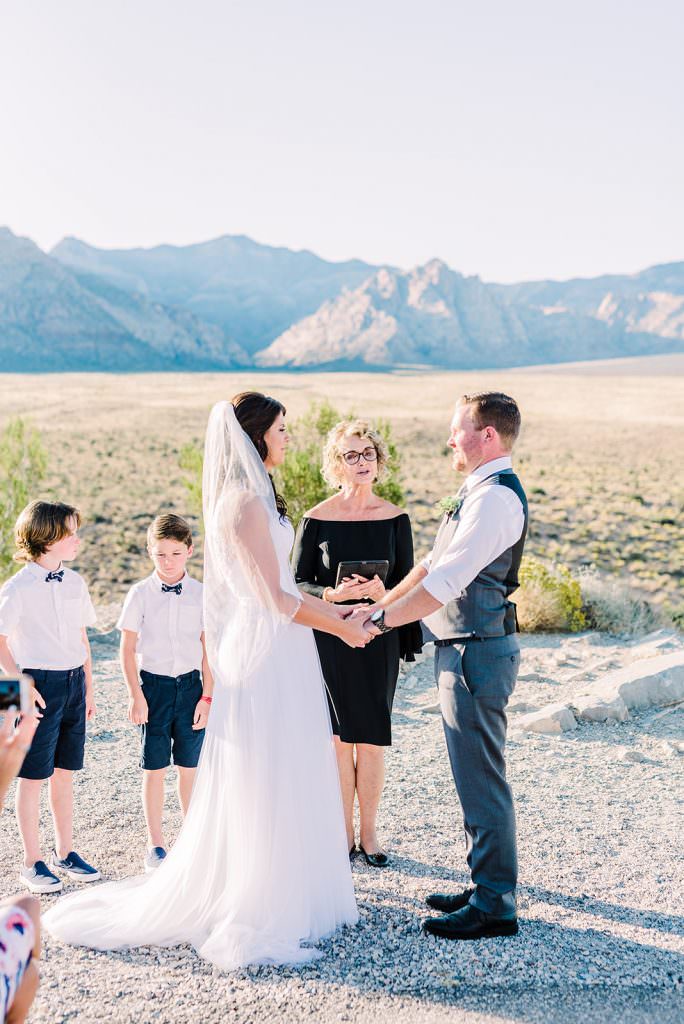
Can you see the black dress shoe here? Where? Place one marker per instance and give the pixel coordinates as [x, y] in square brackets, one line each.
[447, 904]
[375, 860]
[470, 923]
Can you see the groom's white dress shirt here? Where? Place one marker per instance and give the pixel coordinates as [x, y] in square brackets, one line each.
[491, 520]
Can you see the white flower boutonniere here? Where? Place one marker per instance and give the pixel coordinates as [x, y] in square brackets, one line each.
[450, 505]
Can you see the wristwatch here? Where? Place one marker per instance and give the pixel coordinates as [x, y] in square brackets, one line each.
[378, 620]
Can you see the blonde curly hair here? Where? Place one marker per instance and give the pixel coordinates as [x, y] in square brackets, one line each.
[332, 452]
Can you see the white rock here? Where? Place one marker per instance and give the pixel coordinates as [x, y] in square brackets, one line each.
[661, 638]
[551, 720]
[426, 703]
[656, 634]
[654, 681]
[672, 748]
[592, 709]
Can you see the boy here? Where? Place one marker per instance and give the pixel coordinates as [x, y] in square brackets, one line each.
[162, 620]
[44, 611]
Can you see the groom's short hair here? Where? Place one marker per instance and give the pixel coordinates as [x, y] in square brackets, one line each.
[494, 409]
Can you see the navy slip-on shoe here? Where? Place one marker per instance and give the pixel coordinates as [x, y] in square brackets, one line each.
[38, 878]
[74, 867]
[153, 858]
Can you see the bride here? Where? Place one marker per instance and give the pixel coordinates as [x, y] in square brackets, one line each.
[261, 862]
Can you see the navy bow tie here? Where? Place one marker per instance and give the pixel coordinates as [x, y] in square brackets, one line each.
[176, 588]
[59, 575]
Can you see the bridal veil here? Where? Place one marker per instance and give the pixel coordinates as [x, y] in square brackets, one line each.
[261, 864]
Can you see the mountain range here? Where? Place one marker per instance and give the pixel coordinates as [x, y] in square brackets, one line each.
[232, 303]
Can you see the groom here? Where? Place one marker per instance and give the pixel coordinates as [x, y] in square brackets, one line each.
[461, 592]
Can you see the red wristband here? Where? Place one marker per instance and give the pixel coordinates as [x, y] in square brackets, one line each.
[207, 699]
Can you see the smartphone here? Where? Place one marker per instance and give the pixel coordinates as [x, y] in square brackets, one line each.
[15, 693]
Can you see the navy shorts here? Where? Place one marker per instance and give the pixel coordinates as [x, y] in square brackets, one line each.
[59, 740]
[171, 702]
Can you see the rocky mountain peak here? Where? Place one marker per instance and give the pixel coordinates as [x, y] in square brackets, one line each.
[232, 301]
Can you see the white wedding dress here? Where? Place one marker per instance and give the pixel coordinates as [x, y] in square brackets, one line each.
[261, 863]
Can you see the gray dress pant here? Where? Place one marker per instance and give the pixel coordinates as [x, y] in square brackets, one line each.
[475, 680]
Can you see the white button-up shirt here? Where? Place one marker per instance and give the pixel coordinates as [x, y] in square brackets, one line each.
[169, 625]
[491, 520]
[43, 621]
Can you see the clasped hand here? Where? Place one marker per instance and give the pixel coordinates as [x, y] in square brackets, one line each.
[361, 631]
[356, 587]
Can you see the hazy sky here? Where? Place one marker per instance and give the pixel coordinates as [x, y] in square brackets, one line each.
[513, 138]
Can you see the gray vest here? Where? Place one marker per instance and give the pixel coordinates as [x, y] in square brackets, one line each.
[483, 610]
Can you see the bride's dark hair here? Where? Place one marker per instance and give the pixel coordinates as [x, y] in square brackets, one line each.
[256, 413]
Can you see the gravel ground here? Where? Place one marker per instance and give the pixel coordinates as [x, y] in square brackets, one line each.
[601, 898]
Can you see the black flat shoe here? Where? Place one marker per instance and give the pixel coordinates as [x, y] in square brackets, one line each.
[470, 923]
[448, 904]
[375, 860]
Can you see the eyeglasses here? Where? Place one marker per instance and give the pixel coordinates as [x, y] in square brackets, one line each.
[351, 458]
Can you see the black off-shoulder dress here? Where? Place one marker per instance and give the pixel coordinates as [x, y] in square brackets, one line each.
[361, 681]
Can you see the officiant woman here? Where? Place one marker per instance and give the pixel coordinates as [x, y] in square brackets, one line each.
[356, 524]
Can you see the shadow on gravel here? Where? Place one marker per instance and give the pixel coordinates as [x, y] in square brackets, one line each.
[548, 974]
[596, 1005]
[547, 964]
[408, 866]
[610, 911]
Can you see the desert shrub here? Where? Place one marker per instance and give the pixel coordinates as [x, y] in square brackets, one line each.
[390, 487]
[611, 606]
[549, 598]
[190, 461]
[23, 462]
[299, 478]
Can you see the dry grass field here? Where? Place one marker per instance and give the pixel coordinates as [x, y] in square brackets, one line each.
[600, 455]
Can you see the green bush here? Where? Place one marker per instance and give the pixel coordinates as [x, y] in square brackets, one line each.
[190, 461]
[549, 599]
[677, 616]
[300, 479]
[390, 488]
[23, 462]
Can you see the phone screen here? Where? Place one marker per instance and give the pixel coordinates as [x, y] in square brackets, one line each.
[15, 693]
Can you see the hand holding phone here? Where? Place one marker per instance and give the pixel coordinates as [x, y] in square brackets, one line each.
[15, 743]
[16, 692]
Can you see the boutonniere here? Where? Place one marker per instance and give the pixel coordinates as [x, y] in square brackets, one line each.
[450, 505]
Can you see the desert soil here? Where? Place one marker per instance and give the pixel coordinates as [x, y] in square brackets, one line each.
[600, 455]
[601, 896]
